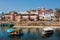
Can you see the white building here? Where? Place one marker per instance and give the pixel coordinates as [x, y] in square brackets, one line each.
[47, 16]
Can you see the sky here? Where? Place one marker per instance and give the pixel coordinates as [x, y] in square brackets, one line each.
[24, 5]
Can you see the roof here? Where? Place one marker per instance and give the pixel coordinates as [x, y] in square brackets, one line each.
[25, 12]
[12, 29]
[47, 28]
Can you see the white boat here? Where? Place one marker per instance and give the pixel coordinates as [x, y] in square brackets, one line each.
[47, 30]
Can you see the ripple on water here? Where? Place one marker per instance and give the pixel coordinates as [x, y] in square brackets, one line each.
[28, 36]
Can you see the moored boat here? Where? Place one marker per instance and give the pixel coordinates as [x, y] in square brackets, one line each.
[14, 32]
[47, 31]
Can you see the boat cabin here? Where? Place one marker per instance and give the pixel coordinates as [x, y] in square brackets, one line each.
[47, 31]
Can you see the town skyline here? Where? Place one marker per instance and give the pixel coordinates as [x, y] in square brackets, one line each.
[22, 5]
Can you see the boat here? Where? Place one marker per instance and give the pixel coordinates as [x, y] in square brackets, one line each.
[47, 31]
[6, 24]
[14, 32]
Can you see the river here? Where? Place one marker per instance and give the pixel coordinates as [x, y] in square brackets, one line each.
[31, 35]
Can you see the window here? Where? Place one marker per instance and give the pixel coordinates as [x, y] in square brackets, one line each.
[8, 17]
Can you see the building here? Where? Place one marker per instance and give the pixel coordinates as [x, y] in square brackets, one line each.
[46, 14]
[32, 15]
[24, 15]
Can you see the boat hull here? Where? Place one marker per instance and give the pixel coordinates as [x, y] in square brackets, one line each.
[15, 34]
[48, 32]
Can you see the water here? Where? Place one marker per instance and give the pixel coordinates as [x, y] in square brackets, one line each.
[28, 35]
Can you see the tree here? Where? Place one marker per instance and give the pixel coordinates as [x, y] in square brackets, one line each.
[58, 10]
[58, 13]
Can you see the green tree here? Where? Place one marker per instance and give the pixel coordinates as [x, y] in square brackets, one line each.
[58, 10]
[58, 13]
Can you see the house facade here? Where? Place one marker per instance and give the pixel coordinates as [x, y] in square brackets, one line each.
[46, 14]
[32, 15]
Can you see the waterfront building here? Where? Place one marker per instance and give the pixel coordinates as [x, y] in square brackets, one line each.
[32, 15]
[41, 13]
[46, 14]
[9, 16]
[24, 15]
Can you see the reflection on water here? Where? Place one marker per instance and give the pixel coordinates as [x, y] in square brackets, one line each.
[32, 34]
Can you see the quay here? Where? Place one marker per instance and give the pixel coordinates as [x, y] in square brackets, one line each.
[37, 26]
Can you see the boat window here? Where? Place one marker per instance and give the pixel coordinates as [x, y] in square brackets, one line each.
[49, 31]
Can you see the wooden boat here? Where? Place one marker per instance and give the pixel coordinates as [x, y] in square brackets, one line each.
[14, 32]
[47, 31]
